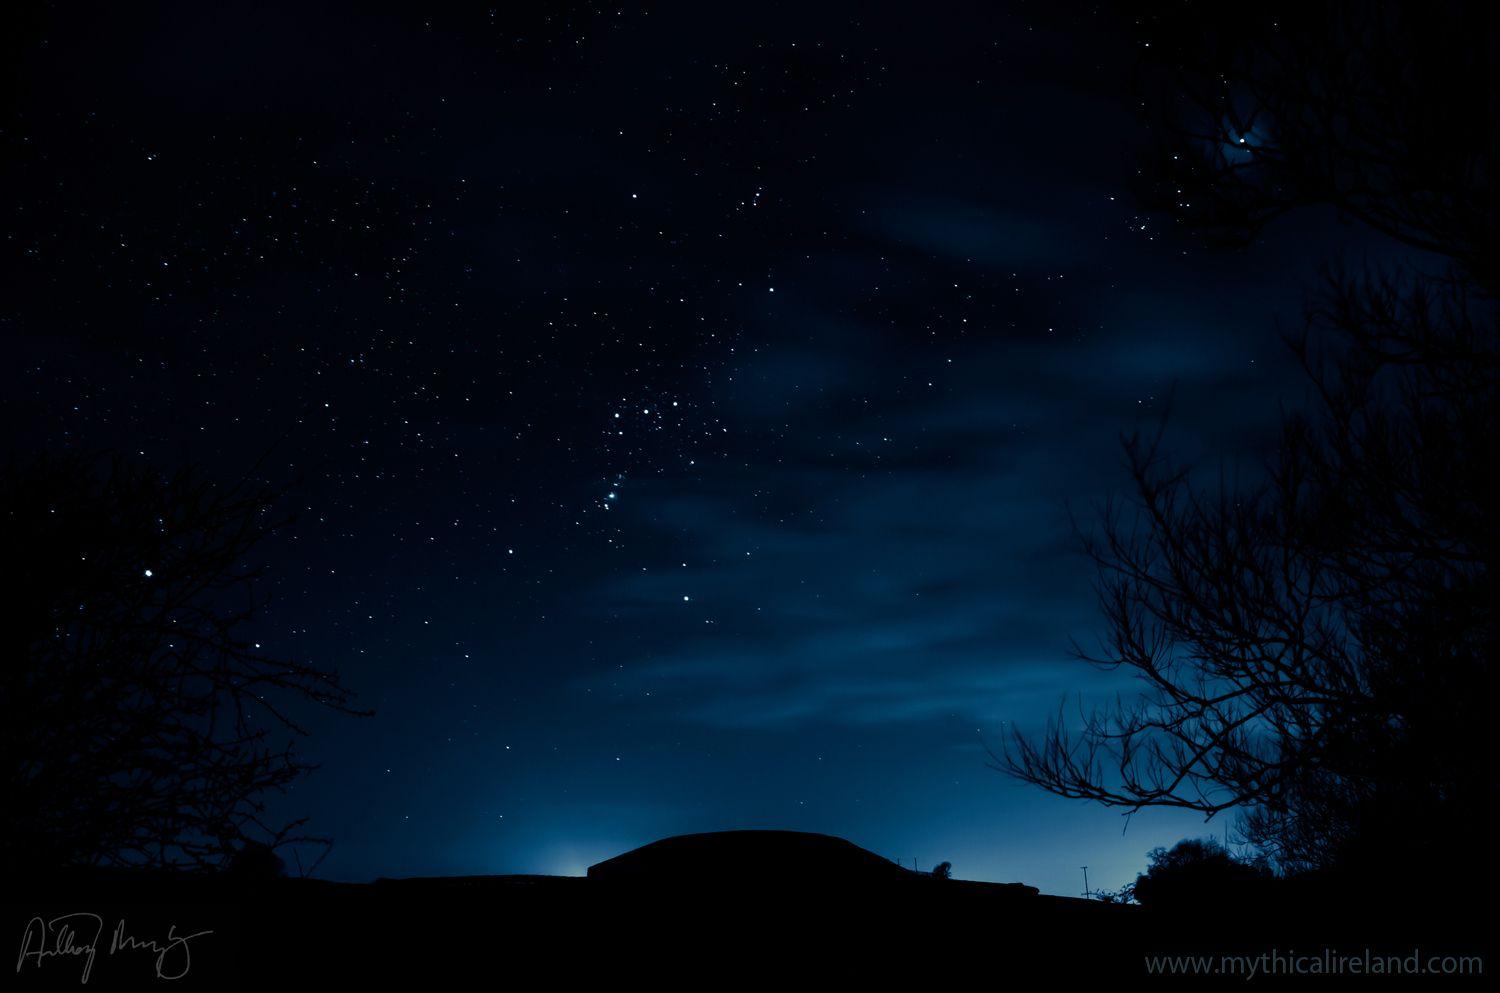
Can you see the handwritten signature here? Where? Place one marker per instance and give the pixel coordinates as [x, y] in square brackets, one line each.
[77, 936]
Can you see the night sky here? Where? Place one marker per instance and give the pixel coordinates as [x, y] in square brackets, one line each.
[682, 406]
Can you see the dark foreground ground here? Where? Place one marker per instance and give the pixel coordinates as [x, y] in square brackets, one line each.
[502, 932]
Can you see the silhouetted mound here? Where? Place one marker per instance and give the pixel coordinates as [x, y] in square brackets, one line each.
[749, 856]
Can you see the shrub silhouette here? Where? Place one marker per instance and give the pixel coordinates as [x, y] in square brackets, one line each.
[255, 862]
[1120, 897]
[943, 870]
[1194, 873]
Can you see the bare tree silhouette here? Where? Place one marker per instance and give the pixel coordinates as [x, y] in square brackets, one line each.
[1381, 110]
[1317, 647]
[138, 725]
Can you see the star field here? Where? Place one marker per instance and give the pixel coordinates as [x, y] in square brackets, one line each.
[681, 406]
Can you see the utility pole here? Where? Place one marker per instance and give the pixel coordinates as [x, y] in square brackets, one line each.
[1085, 881]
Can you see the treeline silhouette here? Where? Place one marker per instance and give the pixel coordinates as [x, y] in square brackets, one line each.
[1317, 650]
